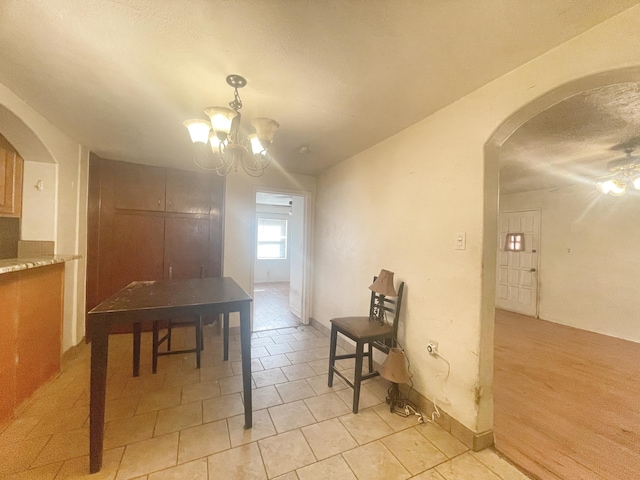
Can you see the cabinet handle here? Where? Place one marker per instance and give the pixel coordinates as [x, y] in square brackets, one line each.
[170, 273]
[159, 202]
[170, 202]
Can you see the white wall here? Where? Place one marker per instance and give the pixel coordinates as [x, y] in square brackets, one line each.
[435, 182]
[37, 140]
[589, 260]
[296, 251]
[239, 234]
[39, 206]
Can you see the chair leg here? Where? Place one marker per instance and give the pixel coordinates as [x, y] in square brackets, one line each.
[169, 336]
[154, 364]
[370, 357]
[332, 354]
[225, 335]
[357, 378]
[198, 340]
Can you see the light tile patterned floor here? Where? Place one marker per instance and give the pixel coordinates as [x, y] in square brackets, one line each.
[185, 423]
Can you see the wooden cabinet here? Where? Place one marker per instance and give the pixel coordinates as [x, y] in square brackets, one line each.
[188, 192]
[147, 221]
[11, 167]
[31, 323]
[137, 249]
[140, 187]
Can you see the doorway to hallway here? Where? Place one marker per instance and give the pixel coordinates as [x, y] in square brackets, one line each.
[271, 307]
[279, 263]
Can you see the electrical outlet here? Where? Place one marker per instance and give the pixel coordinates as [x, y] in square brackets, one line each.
[432, 347]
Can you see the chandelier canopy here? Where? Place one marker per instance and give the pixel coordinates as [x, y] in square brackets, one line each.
[624, 171]
[229, 148]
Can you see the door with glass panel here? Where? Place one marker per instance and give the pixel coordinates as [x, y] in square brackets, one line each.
[517, 261]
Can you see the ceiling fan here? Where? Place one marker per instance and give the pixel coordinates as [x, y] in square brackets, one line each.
[623, 171]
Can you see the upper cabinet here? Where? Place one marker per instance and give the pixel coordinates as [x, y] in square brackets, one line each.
[138, 187]
[11, 168]
[141, 187]
[188, 192]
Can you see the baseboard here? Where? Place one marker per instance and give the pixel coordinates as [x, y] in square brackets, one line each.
[476, 441]
[72, 353]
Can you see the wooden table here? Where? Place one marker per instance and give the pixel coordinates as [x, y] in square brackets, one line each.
[148, 301]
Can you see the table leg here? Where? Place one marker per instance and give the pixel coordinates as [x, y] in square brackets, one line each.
[99, 350]
[137, 327]
[225, 335]
[245, 345]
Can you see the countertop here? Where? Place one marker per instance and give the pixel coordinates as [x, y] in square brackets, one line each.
[16, 264]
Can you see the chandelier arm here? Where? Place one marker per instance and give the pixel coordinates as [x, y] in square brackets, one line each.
[258, 160]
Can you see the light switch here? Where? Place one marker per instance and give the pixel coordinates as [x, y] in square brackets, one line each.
[461, 241]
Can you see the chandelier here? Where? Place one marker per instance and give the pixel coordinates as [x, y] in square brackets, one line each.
[229, 148]
[625, 170]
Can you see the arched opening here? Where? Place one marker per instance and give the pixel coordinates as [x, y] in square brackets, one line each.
[39, 204]
[557, 405]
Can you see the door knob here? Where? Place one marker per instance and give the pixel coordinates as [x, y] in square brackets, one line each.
[532, 270]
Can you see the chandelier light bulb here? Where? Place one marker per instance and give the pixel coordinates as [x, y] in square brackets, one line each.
[636, 183]
[256, 146]
[198, 130]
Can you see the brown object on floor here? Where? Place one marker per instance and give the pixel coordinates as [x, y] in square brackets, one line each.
[566, 401]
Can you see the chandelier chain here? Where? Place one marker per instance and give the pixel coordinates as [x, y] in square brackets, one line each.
[236, 103]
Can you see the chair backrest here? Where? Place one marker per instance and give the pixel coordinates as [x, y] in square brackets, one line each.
[392, 307]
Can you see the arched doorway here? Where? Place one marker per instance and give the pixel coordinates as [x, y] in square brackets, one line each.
[556, 454]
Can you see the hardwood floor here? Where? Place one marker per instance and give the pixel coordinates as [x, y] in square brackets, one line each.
[271, 307]
[567, 401]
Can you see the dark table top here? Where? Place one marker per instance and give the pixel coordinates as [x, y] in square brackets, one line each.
[163, 295]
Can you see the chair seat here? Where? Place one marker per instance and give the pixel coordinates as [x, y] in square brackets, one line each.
[361, 328]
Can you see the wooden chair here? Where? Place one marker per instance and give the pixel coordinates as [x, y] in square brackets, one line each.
[196, 322]
[362, 330]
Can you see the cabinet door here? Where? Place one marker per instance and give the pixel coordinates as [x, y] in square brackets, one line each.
[188, 192]
[137, 249]
[138, 187]
[11, 165]
[186, 247]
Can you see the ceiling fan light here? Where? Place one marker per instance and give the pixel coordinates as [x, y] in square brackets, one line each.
[221, 118]
[618, 188]
[265, 129]
[198, 130]
[636, 183]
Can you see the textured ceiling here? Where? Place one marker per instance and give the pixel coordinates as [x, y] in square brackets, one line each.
[572, 141]
[339, 75]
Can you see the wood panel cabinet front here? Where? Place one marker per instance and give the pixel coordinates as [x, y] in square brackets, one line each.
[145, 220]
[137, 249]
[186, 247]
[11, 172]
[139, 187]
[188, 192]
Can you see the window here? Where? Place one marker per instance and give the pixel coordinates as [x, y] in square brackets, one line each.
[515, 242]
[272, 238]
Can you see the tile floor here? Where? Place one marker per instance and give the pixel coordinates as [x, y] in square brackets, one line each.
[185, 423]
[271, 307]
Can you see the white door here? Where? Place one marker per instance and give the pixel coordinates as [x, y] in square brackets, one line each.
[517, 275]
